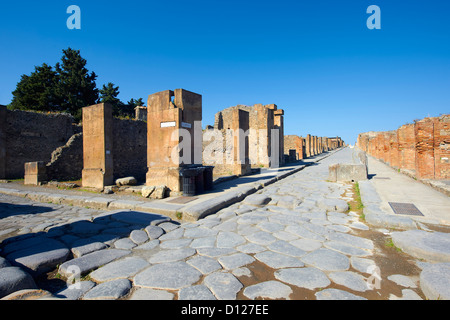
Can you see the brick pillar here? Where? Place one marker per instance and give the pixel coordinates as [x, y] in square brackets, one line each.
[442, 147]
[279, 124]
[406, 147]
[240, 126]
[308, 146]
[316, 146]
[97, 146]
[301, 151]
[393, 150]
[171, 136]
[424, 136]
[3, 112]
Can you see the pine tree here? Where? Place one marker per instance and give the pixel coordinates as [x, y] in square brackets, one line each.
[37, 91]
[76, 87]
[109, 94]
[136, 102]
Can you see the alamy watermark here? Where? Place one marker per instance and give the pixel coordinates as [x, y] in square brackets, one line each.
[227, 147]
[74, 20]
[374, 281]
[74, 281]
[374, 21]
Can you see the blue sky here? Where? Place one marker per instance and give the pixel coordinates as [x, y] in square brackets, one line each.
[317, 60]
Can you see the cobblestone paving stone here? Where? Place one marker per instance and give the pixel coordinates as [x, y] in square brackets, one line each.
[298, 228]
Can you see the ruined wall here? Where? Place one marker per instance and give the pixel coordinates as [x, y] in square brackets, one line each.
[129, 149]
[422, 148]
[226, 147]
[296, 143]
[2, 142]
[30, 136]
[66, 162]
[262, 119]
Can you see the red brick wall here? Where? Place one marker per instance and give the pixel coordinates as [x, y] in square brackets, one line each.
[422, 147]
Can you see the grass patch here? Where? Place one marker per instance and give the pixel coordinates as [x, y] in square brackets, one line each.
[390, 244]
[357, 191]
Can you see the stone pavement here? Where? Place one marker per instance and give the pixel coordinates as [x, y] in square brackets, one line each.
[291, 239]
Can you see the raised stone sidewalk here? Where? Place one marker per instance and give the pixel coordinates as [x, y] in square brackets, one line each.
[289, 239]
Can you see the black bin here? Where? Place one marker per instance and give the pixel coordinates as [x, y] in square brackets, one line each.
[208, 178]
[188, 186]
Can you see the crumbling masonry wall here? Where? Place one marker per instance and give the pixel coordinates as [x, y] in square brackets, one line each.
[296, 143]
[262, 120]
[227, 148]
[29, 137]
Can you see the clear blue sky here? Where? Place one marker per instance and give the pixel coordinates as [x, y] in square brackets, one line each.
[315, 59]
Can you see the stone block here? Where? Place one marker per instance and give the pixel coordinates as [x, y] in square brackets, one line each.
[128, 181]
[97, 146]
[13, 279]
[347, 172]
[35, 173]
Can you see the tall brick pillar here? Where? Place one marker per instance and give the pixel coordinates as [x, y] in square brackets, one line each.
[2, 142]
[279, 124]
[173, 118]
[406, 147]
[97, 146]
[442, 147]
[424, 133]
[240, 126]
[308, 146]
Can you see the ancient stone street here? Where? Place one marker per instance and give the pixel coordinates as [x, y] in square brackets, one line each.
[296, 238]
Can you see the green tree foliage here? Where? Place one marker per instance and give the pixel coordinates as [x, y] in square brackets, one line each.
[136, 102]
[77, 87]
[67, 88]
[37, 91]
[109, 94]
